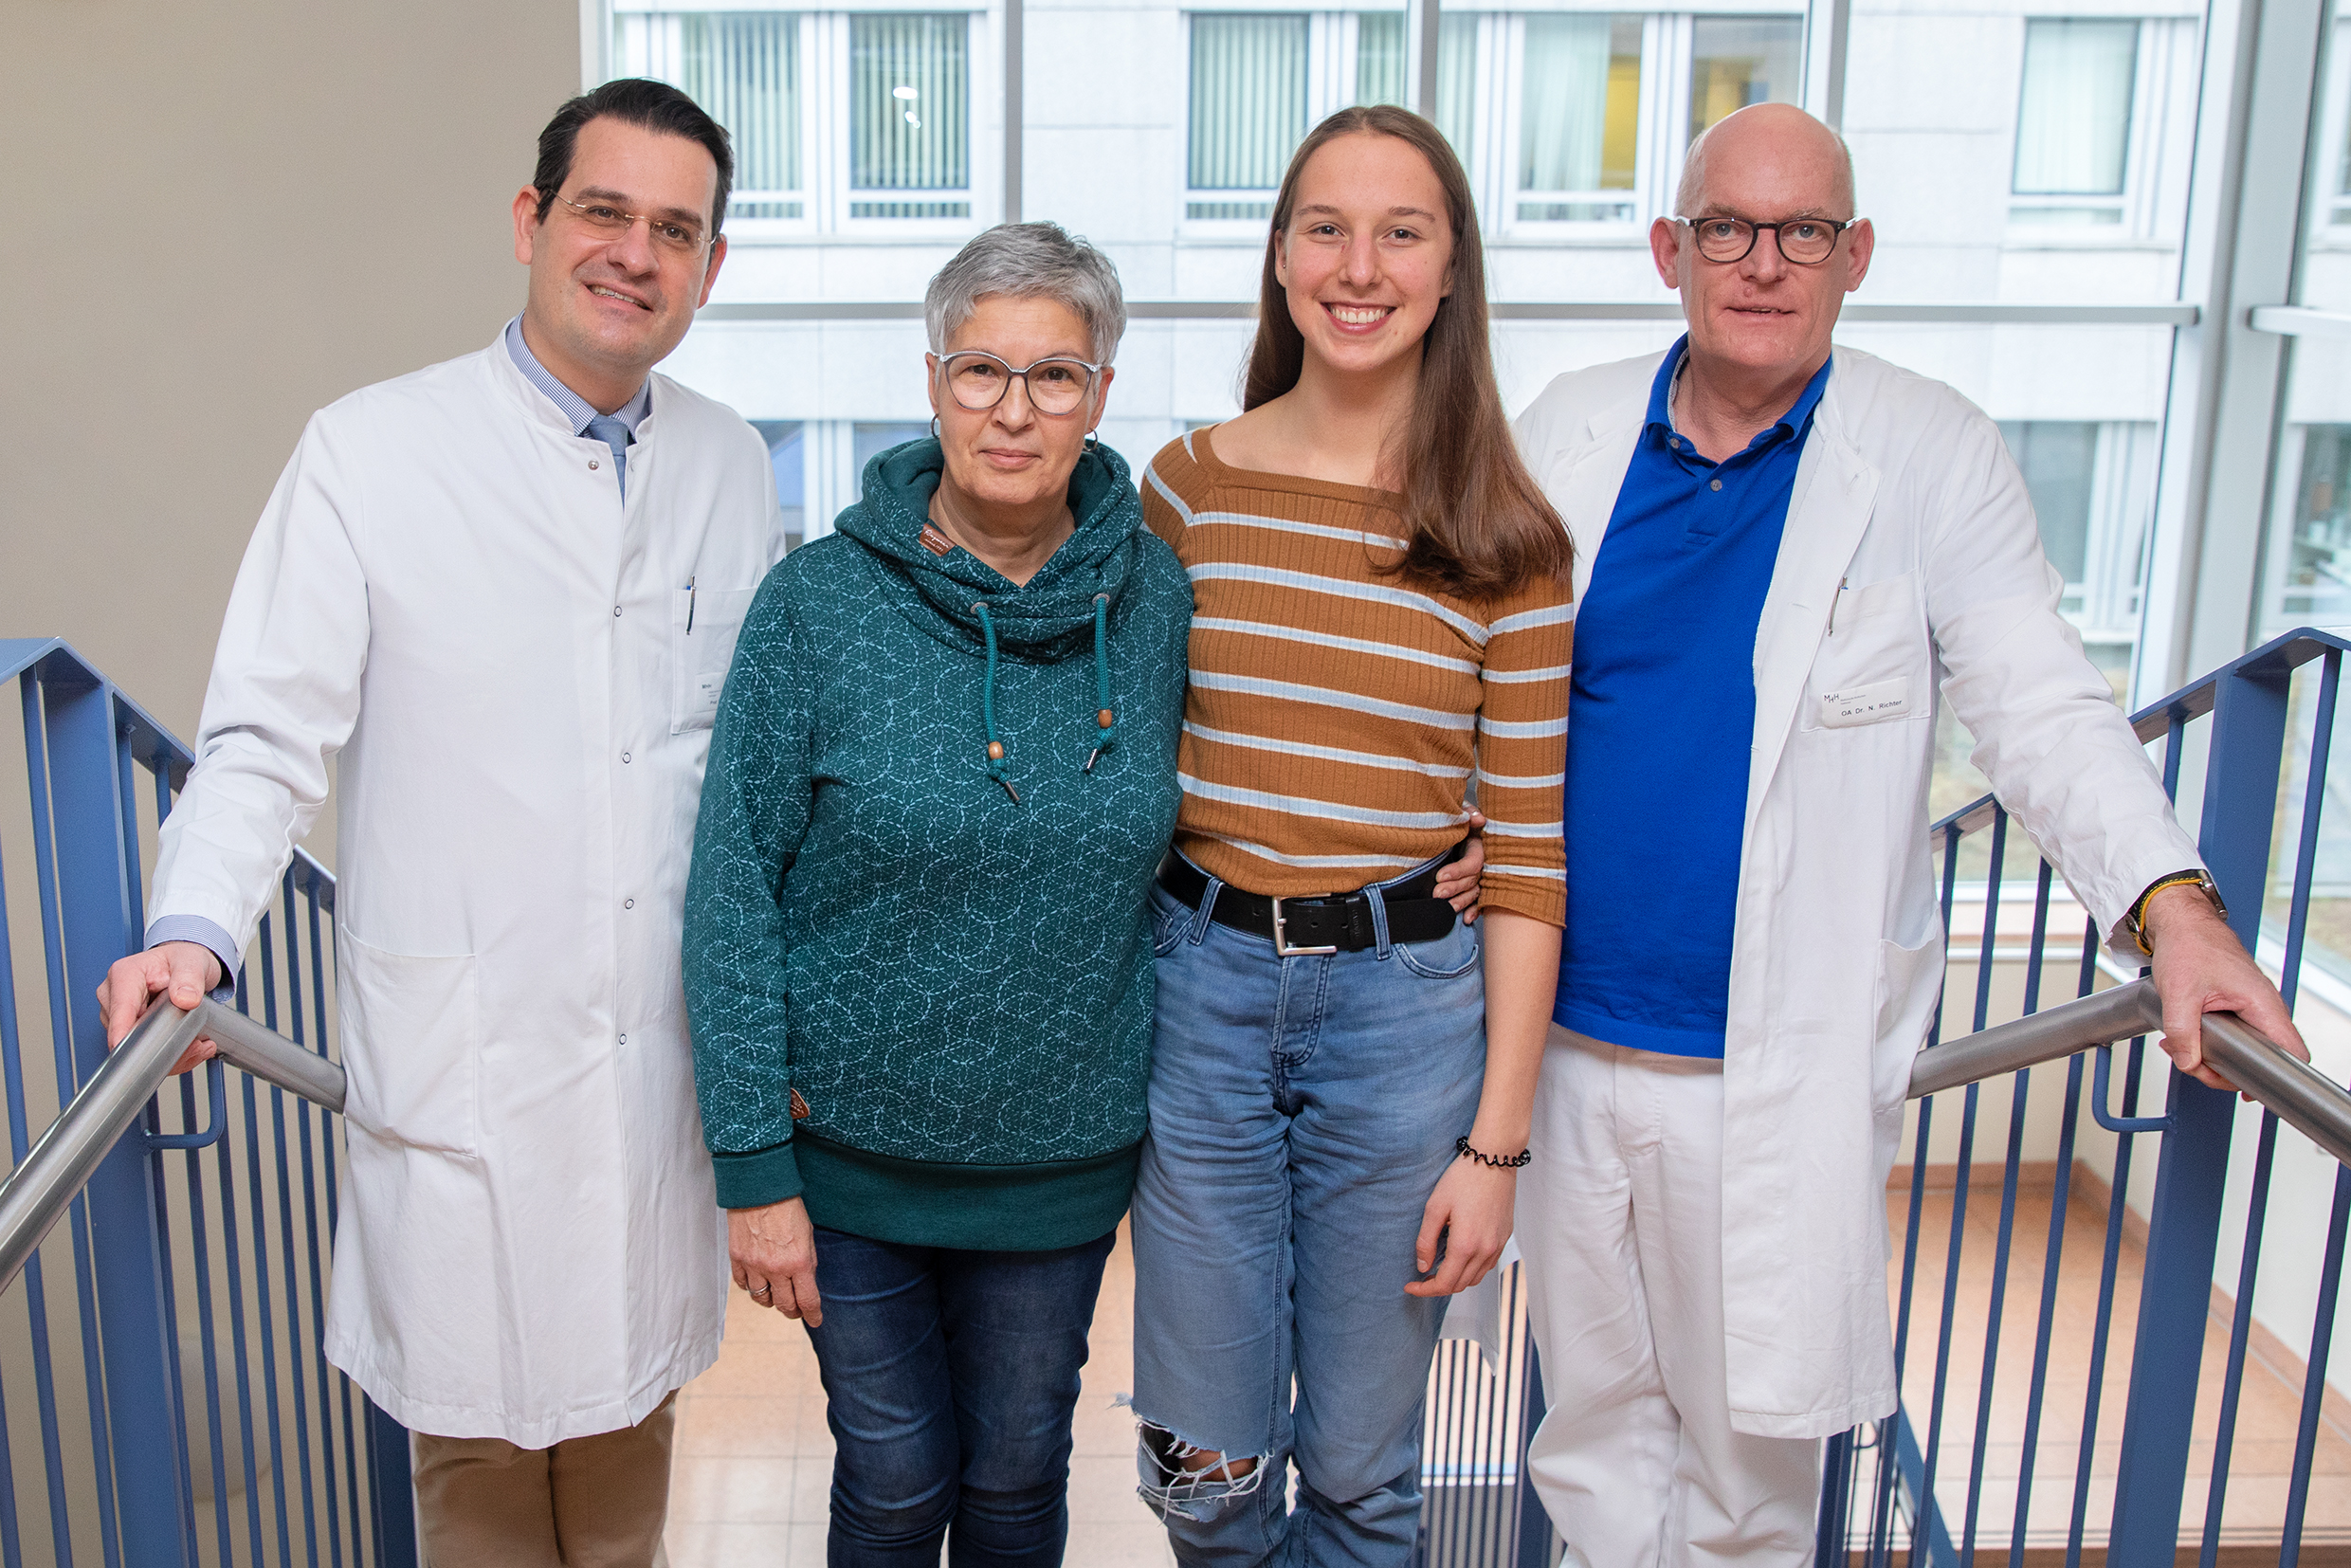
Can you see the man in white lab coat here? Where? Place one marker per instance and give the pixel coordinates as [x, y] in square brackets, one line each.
[505, 590]
[1779, 551]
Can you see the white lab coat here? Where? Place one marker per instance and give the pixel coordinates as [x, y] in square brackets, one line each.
[1905, 495]
[446, 590]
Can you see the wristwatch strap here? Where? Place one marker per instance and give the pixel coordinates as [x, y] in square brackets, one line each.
[2135, 923]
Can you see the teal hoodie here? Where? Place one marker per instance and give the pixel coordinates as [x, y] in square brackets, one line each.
[920, 976]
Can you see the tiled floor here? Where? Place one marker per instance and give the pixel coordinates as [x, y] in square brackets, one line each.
[2266, 1420]
[755, 1459]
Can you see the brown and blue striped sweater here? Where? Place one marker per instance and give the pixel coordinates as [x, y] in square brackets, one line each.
[1336, 712]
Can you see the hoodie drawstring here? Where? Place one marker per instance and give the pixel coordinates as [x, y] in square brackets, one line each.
[1104, 720]
[987, 705]
[1102, 715]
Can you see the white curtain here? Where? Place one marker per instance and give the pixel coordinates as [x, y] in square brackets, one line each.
[2073, 118]
[1379, 59]
[1457, 80]
[909, 102]
[1248, 99]
[743, 68]
[1564, 116]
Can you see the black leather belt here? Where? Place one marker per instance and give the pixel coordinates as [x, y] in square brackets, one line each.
[1340, 922]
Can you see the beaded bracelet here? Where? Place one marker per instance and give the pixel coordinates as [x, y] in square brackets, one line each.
[1500, 1162]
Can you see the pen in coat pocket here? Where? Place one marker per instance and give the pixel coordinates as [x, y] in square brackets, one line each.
[690, 607]
[1833, 604]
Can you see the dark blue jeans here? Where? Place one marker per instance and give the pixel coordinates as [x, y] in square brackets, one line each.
[950, 1379]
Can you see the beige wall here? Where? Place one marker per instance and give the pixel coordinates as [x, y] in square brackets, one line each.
[220, 217]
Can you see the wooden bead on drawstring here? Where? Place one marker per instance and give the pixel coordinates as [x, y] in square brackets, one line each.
[1103, 719]
[995, 750]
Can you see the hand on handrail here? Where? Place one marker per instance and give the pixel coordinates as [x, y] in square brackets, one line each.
[188, 971]
[2201, 967]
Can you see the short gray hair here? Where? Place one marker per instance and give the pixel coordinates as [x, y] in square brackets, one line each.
[1028, 261]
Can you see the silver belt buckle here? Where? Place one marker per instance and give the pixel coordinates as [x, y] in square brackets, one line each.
[1282, 937]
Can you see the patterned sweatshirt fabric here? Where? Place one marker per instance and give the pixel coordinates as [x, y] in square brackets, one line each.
[1337, 711]
[944, 976]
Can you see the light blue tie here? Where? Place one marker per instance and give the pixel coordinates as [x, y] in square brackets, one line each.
[609, 430]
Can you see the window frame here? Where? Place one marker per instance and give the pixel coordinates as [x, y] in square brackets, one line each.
[825, 89]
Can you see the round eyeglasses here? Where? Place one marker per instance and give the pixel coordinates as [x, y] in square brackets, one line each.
[608, 222]
[1807, 242]
[978, 380]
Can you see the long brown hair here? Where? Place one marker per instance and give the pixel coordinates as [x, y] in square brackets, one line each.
[1479, 525]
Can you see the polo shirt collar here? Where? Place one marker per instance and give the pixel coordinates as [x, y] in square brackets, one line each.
[573, 406]
[1792, 423]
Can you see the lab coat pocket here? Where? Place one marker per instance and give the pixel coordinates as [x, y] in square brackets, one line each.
[702, 641]
[1909, 979]
[411, 1045]
[1873, 664]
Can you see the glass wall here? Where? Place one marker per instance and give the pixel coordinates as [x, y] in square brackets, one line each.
[2008, 153]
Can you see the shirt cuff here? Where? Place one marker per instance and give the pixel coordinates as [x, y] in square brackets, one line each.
[204, 932]
[756, 1179]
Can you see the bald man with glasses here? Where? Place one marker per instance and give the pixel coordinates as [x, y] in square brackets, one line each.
[1785, 552]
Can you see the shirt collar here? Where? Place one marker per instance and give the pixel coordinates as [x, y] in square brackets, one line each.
[1790, 424]
[573, 406]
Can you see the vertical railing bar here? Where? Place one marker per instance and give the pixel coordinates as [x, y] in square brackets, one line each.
[127, 816]
[267, 1313]
[295, 1338]
[2018, 1105]
[1995, 1312]
[1959, 1180]
[351, 1443]
[2306, 847]
[1890, 1474]
[261, 1240]
[199, 1238]
[2314, 1373]
[60, 1045]
[239, 1356]
[2240, 1338]
[2060, 1205]
[158, 1173]
[20, 1139]
[2102, 1330]
[316, 1276]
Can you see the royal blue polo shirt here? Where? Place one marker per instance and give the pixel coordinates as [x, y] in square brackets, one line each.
[1661, 726]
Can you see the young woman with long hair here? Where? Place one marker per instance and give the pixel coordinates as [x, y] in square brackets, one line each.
[1342, 1070]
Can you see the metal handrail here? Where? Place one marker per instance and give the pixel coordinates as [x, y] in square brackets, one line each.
[2299, 1093]
[38, 1192]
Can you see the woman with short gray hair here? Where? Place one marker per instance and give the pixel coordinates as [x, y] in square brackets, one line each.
[918, 956]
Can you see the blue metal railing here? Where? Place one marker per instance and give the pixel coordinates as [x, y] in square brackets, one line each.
[164, 1398]
[1960, 1473]
[163, 1394]
[2003, 1449]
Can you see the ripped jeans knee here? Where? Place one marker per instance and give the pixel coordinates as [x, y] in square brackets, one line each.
[1181, 1479]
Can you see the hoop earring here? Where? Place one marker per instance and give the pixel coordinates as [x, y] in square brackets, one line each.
[1093, 439]
[934, 426]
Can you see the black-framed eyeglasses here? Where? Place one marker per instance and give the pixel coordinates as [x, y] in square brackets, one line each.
[610, 223]
[978, 380]
[1807, 242]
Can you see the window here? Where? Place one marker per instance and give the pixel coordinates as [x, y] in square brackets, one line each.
[893, 139]
[910, 116]
[1249, 111]
[1579, 126]
[1736, 60]
[2092, 485]
[2073, 121]
[787, 453]
[744, 68]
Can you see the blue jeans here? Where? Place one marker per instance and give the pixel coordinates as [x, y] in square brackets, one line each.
[1301, 1111]
[950, 1379]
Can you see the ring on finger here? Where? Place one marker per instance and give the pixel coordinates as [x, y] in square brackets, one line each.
[766, 1289]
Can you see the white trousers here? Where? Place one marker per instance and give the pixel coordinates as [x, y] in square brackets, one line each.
[1620, 1221]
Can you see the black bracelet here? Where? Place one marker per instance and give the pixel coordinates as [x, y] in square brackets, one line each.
[1500, 1162]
